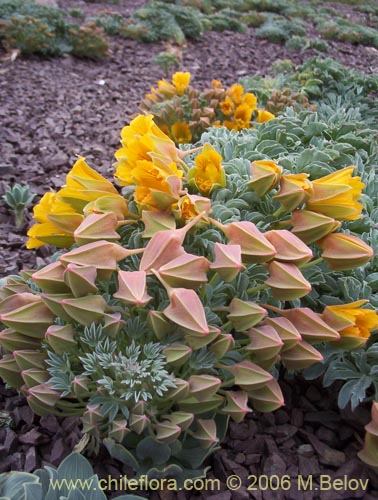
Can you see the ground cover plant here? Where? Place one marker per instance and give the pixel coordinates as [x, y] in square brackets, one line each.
[36, 29]
[156, 350]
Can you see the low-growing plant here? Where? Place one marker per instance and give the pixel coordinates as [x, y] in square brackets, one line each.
[280, 29]
[318, 44]
[253, 19]
[166, 61]
[165, 320]
[18, 198]
[346, 31]
[76, 13]
[297, 42]
[111, 23]
[89, 41]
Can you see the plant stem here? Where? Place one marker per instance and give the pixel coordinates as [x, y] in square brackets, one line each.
[312, 263]
[257, 288]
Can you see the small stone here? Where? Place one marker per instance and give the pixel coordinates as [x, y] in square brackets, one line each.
[17, 461]
[240, 494]
[11, 441]
[313, 394]
[224, 495]
[252, 458]
[240, 458]
[33, 437]
[308, 466]
[57, 452]
[274, 464]
[327, 436]
[31, 461]
[49, 423]
[281, 416]
[297, 418]
[239, 431]
[306, 450]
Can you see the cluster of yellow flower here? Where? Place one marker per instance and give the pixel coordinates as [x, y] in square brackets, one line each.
[239, 108]
[184, 112]
[59, 214]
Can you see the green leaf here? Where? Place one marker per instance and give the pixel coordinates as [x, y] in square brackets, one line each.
[150, 449]
[120, 453]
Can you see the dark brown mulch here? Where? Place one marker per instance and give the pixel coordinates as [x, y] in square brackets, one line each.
[52, 110]
[307, 437]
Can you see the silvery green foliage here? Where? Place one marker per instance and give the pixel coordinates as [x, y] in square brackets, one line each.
[72, 480]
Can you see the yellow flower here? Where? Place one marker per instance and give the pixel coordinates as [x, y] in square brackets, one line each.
[227, 106]
[250, 100]
[82, 176]
[336, 195]
[242, 116]
[216, 84]
[181, 133]
[190, 205]
[47, 233]
[165, 88]
[208, 172]
[350, 320]
[181, 81]
[156, 188]
[142, 140]
[236, 93]
[264, 116]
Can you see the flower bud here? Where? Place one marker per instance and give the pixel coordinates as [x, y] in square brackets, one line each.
[156, 221]
[138, 423]
[10, 371]
[245, 314]
[29, 359]
[97, 227]
[80, 385]
[310, 325]
[206, 433]
[182, 419]
[295, 189]
[16, 301]
[180, 392]
[286, 331]
[112, 324]
[54, 303]
[160, 326]
[265, 176]
[248, 375]
[165, 246]
[203, 387]
[34, 376]
[80, 279]
[255, 248]
[192, 405]
[132, 288]
[50, 278]
[185, 271]
[166, 432]
[237, 405]
[268, 398]
[311, 226]
[286, 281]
[198, 340]
[265, 343]
[177, 354]
[61, 338]
[191, 205]
[11, 340]
[85, 310]
[42, 399]
[301, 356]
[118, 430]
[224, 343]
[186, 310]
[31, 319]
[344, 251]
[228, 261]
[113, 203]
[103, 255]
[290, 249]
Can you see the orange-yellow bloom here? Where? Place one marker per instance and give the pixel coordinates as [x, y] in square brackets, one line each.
[227, 106]
[181, 133]
[236, 93]
[336, 195]
[264, 116]
[208, 172]
[181, 81]
[353, 323]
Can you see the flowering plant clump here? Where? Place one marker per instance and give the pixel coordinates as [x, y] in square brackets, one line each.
[183, 112]
[169, 314]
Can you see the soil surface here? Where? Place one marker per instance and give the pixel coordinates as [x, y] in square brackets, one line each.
[52, 110]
